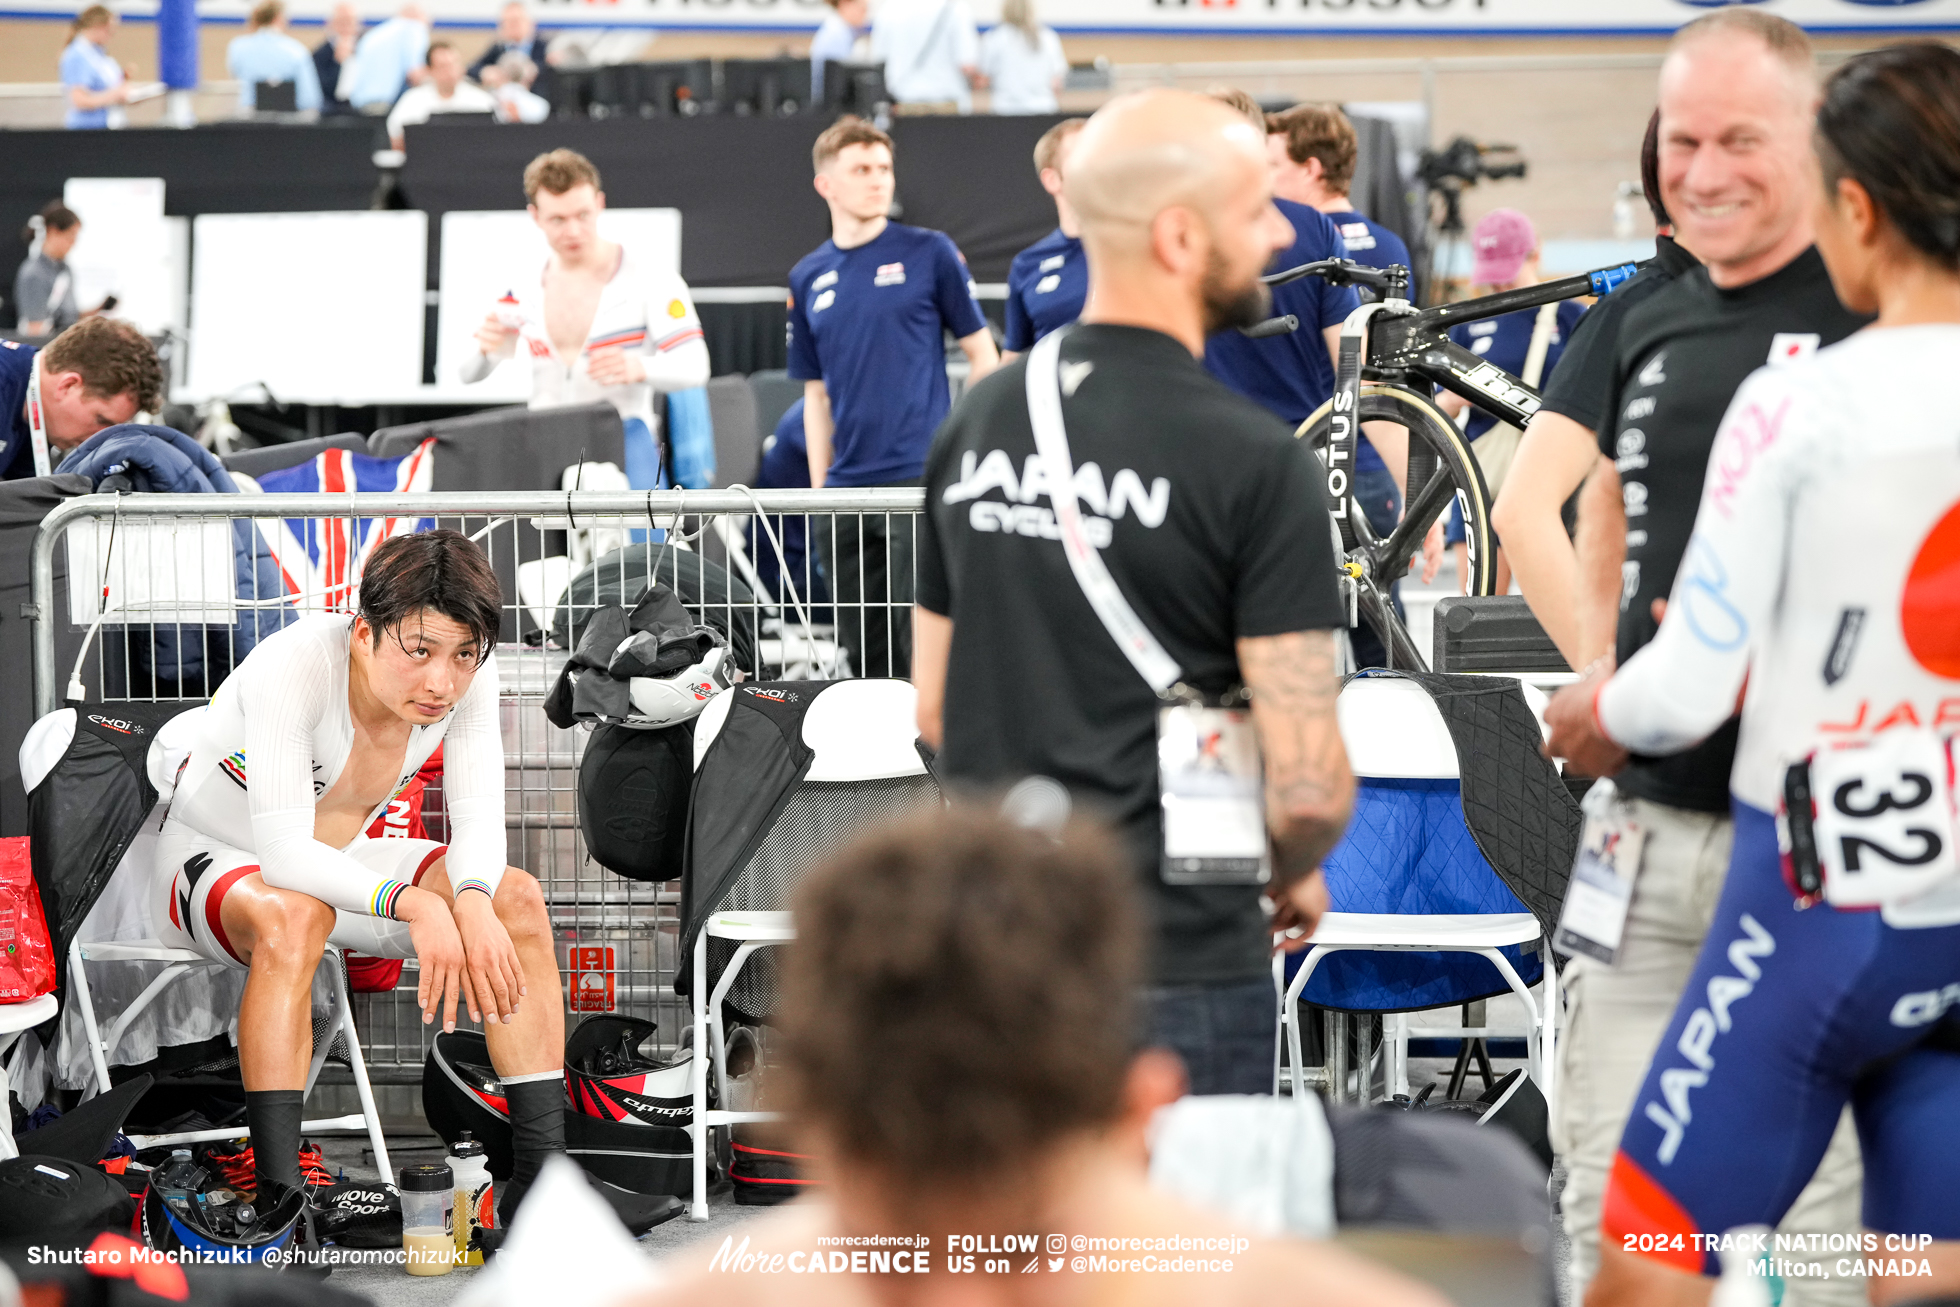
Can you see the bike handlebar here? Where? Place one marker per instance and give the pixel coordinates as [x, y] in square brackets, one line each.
[1395, 280]
[1344, 272]
[1279, 326]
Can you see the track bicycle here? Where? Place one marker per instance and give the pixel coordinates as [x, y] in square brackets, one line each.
[1392, 354]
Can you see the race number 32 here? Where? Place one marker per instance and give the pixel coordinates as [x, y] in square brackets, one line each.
[1885, 818]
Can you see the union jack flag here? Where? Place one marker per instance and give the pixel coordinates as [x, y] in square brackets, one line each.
[320, 558]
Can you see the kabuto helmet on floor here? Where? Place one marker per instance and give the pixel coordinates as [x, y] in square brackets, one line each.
[631, 1113]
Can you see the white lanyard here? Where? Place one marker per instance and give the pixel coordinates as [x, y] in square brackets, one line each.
[37, 427]
[1156, 666]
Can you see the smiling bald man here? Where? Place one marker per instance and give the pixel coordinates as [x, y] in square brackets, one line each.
[1212, 524]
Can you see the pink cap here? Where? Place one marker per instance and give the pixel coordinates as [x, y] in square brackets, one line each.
[1504, 242]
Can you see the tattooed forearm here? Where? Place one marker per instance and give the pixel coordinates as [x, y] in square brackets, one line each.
[1309, 787]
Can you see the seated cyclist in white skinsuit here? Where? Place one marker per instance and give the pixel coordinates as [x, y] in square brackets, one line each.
[263, 860]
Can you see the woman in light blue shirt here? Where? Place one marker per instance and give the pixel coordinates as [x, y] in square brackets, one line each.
[95, 85]
[266, 54]
[1022, 61]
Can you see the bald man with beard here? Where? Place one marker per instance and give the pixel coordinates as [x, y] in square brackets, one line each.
[1212, 523]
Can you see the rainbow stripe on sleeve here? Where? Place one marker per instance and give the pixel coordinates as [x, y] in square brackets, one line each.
[674, 339]
[473, 882]
[234, 766]
[386, 895]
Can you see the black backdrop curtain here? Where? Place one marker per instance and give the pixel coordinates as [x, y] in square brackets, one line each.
[224, 168]
[748, 211]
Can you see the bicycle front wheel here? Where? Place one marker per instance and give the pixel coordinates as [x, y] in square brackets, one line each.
[1441, 468]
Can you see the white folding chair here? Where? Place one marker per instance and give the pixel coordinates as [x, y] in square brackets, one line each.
[180, 963]
[859, 731]
[16, 1019]
[1392, 729]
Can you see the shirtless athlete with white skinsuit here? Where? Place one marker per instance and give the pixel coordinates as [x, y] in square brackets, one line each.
[599, 324]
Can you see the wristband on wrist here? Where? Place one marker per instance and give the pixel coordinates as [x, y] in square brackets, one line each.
[1599, 723]
[387, 897]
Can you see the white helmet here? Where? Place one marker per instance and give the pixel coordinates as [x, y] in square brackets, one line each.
[669, 700]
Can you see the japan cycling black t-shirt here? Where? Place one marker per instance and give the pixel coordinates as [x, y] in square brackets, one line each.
[1582, 382]
[1213, 522]
[1681, 357]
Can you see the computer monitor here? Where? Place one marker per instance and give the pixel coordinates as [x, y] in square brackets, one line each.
[854, 88]
[275, 97]
[673, 86]
[768, 88]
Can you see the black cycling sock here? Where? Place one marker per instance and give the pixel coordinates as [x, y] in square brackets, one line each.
[537, 1130]
[274, 1116]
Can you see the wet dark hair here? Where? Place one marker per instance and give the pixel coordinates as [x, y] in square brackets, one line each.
[441, 571]
[1650, 172]
[961, 995]
[1891, 122]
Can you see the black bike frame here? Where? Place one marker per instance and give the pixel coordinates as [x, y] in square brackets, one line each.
[1399, 341]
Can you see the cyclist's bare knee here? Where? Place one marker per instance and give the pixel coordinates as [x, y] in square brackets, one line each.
[276, 930]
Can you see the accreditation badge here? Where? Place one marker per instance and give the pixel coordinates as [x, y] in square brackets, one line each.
[1594, 917]
[1214, 796]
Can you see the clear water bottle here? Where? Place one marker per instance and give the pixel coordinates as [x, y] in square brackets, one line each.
[428, 1223]
[475, 1202]
[178, 1181]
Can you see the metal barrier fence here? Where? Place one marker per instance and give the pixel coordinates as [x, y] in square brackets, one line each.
[165, 593]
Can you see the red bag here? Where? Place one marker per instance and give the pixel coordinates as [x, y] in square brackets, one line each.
[26, 953]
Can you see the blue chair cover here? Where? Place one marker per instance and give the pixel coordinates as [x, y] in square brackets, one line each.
[1407, 850]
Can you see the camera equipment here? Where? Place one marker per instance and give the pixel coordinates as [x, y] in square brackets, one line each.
[1447, 173]
[1467, 162]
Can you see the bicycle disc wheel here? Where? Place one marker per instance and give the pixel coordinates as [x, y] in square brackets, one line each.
[1441, 468]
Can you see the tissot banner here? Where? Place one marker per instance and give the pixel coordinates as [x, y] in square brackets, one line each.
[1291, 17]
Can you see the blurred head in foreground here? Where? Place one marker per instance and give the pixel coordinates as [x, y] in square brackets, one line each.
[958, 1052]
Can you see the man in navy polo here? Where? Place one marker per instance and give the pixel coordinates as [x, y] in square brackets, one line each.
[868, 316]
[1293, 374]
[1048, 281]
[99, 373]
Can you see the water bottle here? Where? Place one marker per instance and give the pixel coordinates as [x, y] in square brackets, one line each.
[510, 315]
[428, 1222]
[178, 1181]
[475, 1201]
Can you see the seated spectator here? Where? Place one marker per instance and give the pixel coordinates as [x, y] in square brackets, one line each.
[334, 53]
[44, 287]
[98, 373]
[267, 54]
[510, 80]
[1022, 61]
[517, 33]
[388, 58]
[446, 91]
[959, 1050]
[843, 35]
[95, 85]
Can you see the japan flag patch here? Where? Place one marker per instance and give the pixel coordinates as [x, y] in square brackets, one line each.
[1789, 346]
